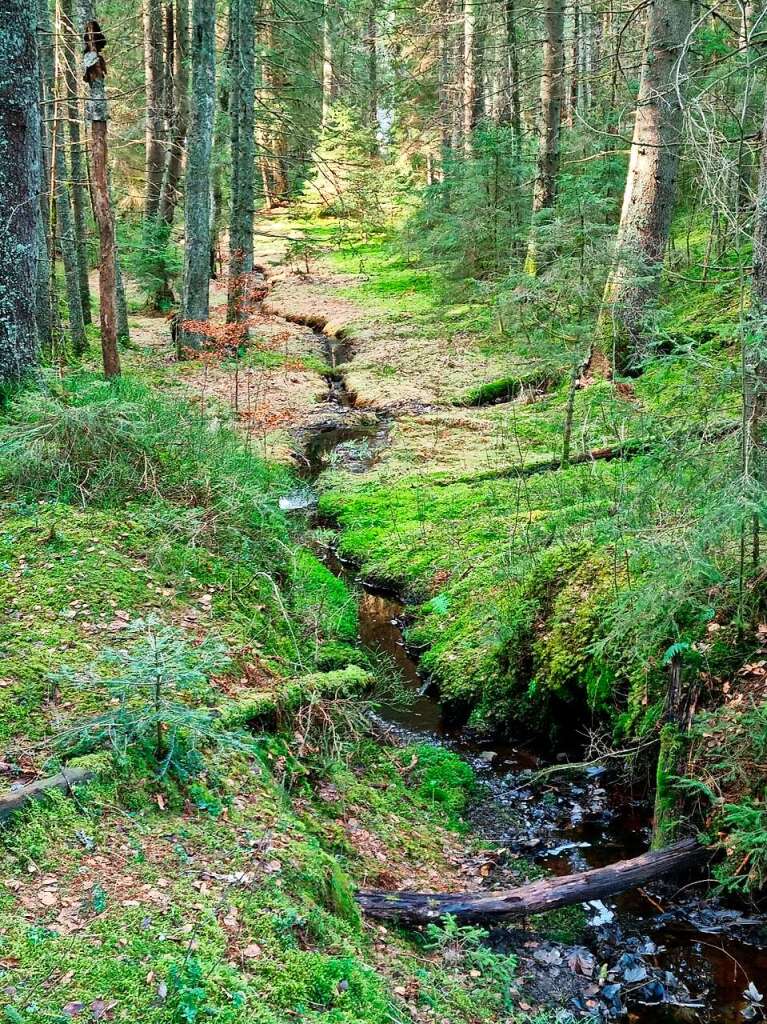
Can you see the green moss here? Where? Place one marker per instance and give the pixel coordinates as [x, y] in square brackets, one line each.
[666, 818]
[505, 389]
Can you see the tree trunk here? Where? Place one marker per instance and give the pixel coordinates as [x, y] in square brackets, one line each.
[243, 14]
[535, 897]
[273, 139]
[180, 112]
[545, 188]
[195, 304]
[68, 243]
[469, 90]
[755, 355]
[80, 197]
[96, 112]
[153, 85]
[515, 104]
[744, 31]
[46, 307]
[575, 63]
[445, 83]
[372, 48]
[327, 64]
[19, 189]
[648, 200]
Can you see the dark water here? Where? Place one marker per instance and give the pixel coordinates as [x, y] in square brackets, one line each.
[574, 825]
[566, 825]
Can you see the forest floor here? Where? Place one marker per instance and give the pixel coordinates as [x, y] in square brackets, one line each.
[225, 893]
[231, 897]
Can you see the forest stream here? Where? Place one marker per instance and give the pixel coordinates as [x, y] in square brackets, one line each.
[661, 955]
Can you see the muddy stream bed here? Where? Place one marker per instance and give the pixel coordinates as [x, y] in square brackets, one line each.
[670, 952]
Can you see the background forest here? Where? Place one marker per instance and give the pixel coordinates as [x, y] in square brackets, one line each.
[470, 293]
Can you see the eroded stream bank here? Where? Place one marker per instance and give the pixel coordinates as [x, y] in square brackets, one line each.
[658, 955]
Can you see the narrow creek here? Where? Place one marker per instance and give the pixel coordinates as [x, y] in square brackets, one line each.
[671, 954]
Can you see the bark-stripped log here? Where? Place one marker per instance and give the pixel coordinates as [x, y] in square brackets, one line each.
[16, 799]
[535, 897]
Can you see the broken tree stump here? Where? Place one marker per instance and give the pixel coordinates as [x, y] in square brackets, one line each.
[14, 799]
[535, 897]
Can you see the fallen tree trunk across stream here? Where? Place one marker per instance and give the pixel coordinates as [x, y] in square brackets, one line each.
[535, 897]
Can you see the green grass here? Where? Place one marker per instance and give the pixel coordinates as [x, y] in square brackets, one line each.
[228, 895]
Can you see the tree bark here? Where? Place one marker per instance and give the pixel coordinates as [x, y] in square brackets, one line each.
[96, 112]
[372, 48]
[80, 197]
[19, 189]
[327, 64]
[153, 86]
[46, 307]
[755, 354]
[515, 104]
[535, 897]
[68, 243]
[180, 112]
[648, 200]
[575, 65]
[195, 304]
[552, 75]
[469, 88]
[242, 34]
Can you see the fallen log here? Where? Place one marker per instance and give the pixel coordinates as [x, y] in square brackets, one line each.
[15, 799]
[535, 897]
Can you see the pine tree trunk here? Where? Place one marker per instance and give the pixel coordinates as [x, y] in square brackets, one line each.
[80, 197]
[153, 85]
[515, 104]
[445, 78]
[327, 63]
[648, 200]
[20, 174]
[755, 356]
[68, 244]
[372, 48]
[575, 63]
[180, 112]
[242, 13]
[469, 89]
[195, 304]
[274, 140]
[46, 308]
[552, 75]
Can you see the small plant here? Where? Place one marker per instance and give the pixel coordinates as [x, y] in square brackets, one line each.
[463, 947]
[302, 250]
[156, 690]
[156, 262]
[187, 995]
